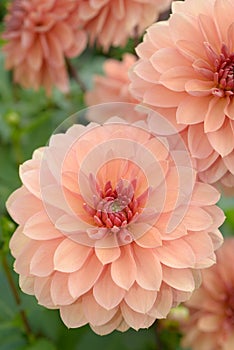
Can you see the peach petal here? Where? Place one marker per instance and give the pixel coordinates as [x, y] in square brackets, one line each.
[217, 215]
[35, 58]
[30, 178]
[223, 17]
[70, 256]
[64, 34]
[124, 269]
[18, 242]
[202, 247]
[160, 96]
[95, 313]
[82, 281]
[229, 110]
[106, 292]
[149, 271]
[199, 88]
[222, 140]
[22, 205]
[229, 162]
[197, 219]
[163, 303]
[135, 319]
[198, 142]
[22, 263]
[151, 239]
[26, 284]
[181, 279]
[42, 292]
[204, 194]
[59, 289]
[216, 170]
[176, 254]
[107, 255]
[175, 78]
[40, 227]
[42, 262]
[190, 111]
[215, 116]
[73, 315]
[139, 299]
[146, 71]
[173, 58]
[110, 326]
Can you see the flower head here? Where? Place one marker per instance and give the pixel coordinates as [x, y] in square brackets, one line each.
[211, 322]
[40, 35]
[113, 226]
[114, 22]
[186, 67]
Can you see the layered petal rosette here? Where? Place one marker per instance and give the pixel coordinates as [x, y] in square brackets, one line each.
[113, 225]
[40, 35]
[211, 322]
[112, 23]
[186, 70]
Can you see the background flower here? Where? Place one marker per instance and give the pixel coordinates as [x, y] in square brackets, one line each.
[40, 35]
[186, 69]
[107, 233]
[211, 321]
[114, 22]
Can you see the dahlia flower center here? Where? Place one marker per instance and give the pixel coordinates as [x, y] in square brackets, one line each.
[223, 71]
[115, 207]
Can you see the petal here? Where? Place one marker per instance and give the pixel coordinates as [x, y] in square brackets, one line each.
[106, 292]
[59, 289]
[110, 326]
[135, 319]
[198, 142]
[197, 219]
[199, 88]
[160, 96]
[83, 280]
[176, 254]
[192, 110]
[140, 299]
[163, 303]
[174, 58]
[215, 116]
[42, 263]
[204, 194]
[149, 271]
[95, 313]
[181, 279]
[229, 162]
[40, 227]
[107, 255]
[175, 78]
[123, 270]
[42, 291]
[150, 239]
[70, 256]
[73, 315]
[222, 140]
[209, 323]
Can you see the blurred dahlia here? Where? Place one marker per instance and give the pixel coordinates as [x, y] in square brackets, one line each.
[113, 86]
[211, 322]
[113, 226]
[40, 34]
[112, 23]
[186, 71]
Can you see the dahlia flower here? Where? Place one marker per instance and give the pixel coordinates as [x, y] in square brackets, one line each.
[111, 22]
[40, 35]
[113, 225]
[211, 320]
[186, 69]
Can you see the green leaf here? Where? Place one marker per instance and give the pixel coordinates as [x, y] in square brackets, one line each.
[41, 344]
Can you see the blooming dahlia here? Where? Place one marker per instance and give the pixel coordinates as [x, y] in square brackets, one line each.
[40, 34]
[186, 69]
[211, 322]
[113, 226]
[111, 22]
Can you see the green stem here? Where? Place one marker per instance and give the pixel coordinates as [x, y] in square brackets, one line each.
[15, 293]
[74, 74]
